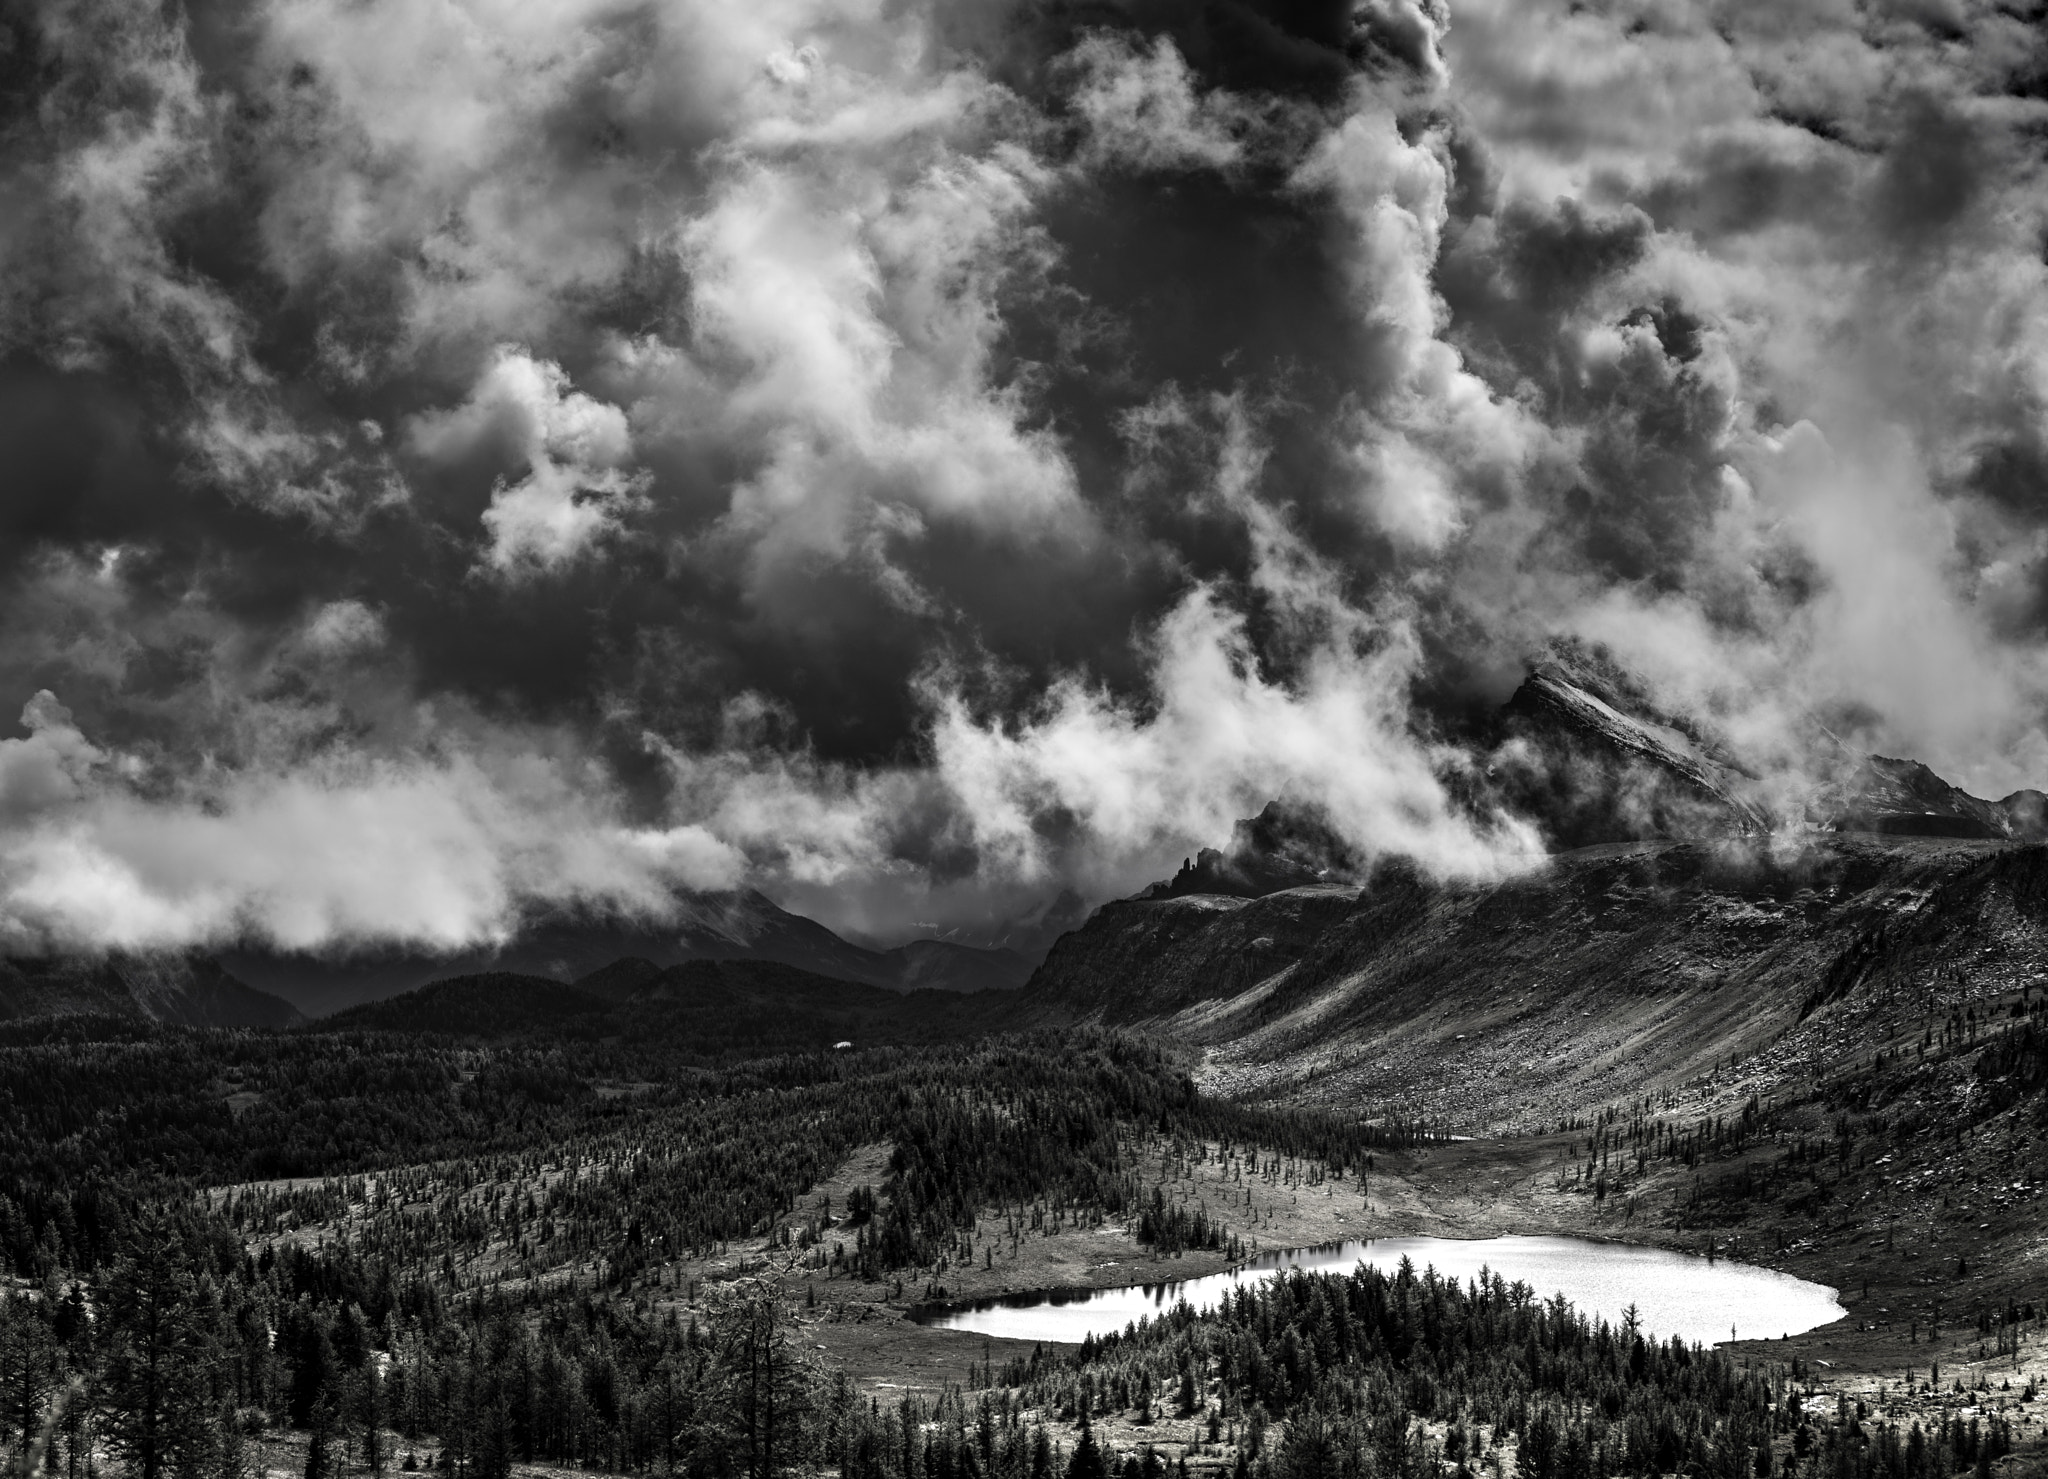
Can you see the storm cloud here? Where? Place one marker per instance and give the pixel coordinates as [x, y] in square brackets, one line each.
[469, 460]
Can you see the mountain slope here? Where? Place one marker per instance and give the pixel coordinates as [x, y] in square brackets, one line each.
[743, 925]
[1905, 798]
[1618, 969]
[190, 991]
[715, 1009]
[1685, 927]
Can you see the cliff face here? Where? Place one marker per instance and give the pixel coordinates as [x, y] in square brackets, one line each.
[1592, 764]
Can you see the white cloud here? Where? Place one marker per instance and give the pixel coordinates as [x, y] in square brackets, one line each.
[50, 767]
[342, 629]
[1432, 425]
[849, 314]
[1215, 742]
[1142, 108]
[438, 852]
[576, 489]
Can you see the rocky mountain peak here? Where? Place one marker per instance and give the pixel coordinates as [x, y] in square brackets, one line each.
[1287, 845]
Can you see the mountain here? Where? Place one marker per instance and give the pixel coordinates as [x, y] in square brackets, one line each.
[1592, 758]
[717, 1009]
[749, 926]
[740, 925]
[1644, 963]
[1905, 798]
[1282, 847]
[191, 991]
[1028, 933]
[1673, 927]
[1589, 755]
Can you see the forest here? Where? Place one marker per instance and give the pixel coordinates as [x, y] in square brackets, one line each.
[394, 1245]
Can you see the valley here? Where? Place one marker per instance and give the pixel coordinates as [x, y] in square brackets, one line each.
[536, 1217]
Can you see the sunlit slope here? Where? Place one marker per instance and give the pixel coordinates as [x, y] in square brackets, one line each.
[1617, 970]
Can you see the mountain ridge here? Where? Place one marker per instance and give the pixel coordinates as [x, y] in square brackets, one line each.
[1684, 925]
[718, 1008]
[739, 925]
[183, 990]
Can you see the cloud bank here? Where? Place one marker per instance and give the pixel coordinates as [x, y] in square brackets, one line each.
[471, 461]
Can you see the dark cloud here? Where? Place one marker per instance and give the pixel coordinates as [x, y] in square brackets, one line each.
[1730, 186]
[932, 460]
[1305, 48]
[1512, 279]
[1933, 174]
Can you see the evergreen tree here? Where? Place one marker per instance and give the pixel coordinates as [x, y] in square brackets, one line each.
[159, 1356]
[1086, 1461]
[1042, 1456]
[28, 1368]
[231, 1459]
[762, 1384]
[1537, 1456]
[373, 1418]
[1311, 1450]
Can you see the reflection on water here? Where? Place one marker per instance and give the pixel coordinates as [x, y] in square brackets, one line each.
[1674, 1293]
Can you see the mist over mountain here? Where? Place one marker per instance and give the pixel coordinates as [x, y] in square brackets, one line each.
[741, 926]
[1680, 923]
[1580, 750]
[179, 990]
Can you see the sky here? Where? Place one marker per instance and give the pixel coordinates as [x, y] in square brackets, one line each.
[465, 461]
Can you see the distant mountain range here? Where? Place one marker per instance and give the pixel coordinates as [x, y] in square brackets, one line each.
[188, 991]
[743, 925]
[260, 988]
[1580, 749]
[718, 1009]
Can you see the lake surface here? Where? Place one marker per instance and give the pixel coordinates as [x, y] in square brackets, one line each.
[1675, 1293]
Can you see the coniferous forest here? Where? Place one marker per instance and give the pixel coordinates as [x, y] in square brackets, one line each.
[366, 1248]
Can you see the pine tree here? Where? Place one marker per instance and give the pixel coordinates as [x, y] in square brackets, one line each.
[159, 1356]
[28, 1365]
[1041, 1456]
[760, 1383]
[373, 1418]
[231, 1460]
[1086, 1461]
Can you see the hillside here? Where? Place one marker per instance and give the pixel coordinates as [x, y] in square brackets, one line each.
[1620, 968]
[736, 926]
[706, 1011]
[187, 991]
[1687, 925]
